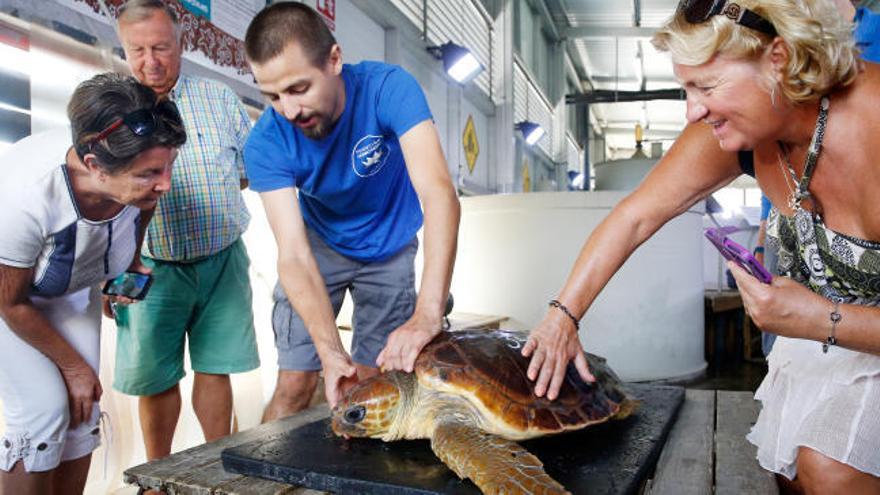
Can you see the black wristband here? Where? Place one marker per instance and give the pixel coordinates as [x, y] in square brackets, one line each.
[556, 304]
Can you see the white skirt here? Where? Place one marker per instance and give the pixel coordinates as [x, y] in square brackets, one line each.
[827, 402]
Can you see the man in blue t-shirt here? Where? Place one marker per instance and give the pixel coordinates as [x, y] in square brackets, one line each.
[342, 161]
[865, 15]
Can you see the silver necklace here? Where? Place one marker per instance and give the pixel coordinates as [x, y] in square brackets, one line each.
[800, 191]
[788, 175]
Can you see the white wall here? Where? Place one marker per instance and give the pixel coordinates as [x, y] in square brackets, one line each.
[435, 86]
[480, 176]
[516, 250]
[358, 35]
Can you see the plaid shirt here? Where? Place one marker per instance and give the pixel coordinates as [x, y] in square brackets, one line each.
[204, 212]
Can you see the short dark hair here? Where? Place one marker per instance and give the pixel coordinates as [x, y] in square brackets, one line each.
[104, 99]
[283, 23]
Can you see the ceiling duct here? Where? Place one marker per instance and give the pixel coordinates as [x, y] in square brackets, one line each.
[612, 96]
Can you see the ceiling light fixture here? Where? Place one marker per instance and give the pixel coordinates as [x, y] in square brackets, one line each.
[531, 131]
[458, 61]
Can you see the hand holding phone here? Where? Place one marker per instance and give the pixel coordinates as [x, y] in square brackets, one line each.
[133, 285]
[738, 254]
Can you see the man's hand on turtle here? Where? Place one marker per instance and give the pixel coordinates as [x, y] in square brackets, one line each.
[339, 375]
[405, 343]
[551, 346]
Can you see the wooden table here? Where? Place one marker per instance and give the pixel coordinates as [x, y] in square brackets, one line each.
[706, 452]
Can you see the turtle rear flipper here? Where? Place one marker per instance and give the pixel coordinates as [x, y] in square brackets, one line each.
[494, 464]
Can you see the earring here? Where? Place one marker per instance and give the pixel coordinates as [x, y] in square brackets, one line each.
[773, 96]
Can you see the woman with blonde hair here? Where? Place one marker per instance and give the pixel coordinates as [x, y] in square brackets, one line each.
[774, 89]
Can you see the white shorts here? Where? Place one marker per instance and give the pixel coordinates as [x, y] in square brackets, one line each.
[33, 391]
[824, 401]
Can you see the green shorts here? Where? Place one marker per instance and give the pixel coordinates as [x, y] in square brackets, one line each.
[208, 301]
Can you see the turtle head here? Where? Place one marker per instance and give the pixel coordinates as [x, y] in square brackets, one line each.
[369, 408]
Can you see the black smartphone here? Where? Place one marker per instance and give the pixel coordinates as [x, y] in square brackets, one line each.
[133, 285]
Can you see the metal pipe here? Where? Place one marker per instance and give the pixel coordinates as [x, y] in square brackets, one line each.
[610, 96]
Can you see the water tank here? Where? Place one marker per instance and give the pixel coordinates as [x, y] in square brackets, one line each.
[622, 175]
[516, 250]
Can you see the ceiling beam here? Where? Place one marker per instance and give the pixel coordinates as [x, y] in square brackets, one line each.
[649, 134]
[545, 13]
[607, 32]
[610, 96]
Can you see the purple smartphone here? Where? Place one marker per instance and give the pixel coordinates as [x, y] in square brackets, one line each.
[738, 254]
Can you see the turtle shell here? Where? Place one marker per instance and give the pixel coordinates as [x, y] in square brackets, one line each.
[488, 368]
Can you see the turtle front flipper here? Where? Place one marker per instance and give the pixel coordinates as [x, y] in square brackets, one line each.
[494, 464]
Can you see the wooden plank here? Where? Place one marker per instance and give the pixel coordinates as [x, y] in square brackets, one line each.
[685, 466]
[736, 469]
[212, 478]
[255, 486]
[196, 471]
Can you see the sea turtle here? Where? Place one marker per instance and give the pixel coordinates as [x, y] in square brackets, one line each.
[470, 396]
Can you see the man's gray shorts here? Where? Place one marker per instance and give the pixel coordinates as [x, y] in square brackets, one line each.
[384, 297]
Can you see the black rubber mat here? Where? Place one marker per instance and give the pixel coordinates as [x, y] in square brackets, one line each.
[613, 457]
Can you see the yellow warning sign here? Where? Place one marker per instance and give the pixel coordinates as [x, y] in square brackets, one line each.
[527, 181]
[470, 144]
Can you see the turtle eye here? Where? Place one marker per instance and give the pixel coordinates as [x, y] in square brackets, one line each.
[355, 414]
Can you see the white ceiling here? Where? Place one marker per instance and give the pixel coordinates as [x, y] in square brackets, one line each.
[609, 41]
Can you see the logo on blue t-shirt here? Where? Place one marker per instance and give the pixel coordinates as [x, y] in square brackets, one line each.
[369, 155]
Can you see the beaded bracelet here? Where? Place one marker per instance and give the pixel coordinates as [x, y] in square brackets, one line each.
[556, 304]
[835, 319]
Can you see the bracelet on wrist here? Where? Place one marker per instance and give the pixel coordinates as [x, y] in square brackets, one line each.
[835, 318]
[558, 305]
[758, 249]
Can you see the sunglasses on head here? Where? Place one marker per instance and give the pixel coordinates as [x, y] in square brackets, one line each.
[142, 122]
[700, 11]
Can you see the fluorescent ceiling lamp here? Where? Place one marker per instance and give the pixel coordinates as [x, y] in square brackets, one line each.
[531, 131]
[458, 61]
[15, 59]
[465, 68]
[13, 108]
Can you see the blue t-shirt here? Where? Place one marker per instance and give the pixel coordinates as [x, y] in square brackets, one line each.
[765, 207]
[354, 189]
[867, 33]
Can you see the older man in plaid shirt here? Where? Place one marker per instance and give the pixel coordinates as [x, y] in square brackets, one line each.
[193, 247]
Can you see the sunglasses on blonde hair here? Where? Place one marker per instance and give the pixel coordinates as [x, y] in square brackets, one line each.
[700, 11]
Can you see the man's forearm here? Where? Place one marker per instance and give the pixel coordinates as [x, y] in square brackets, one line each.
[442, 215]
